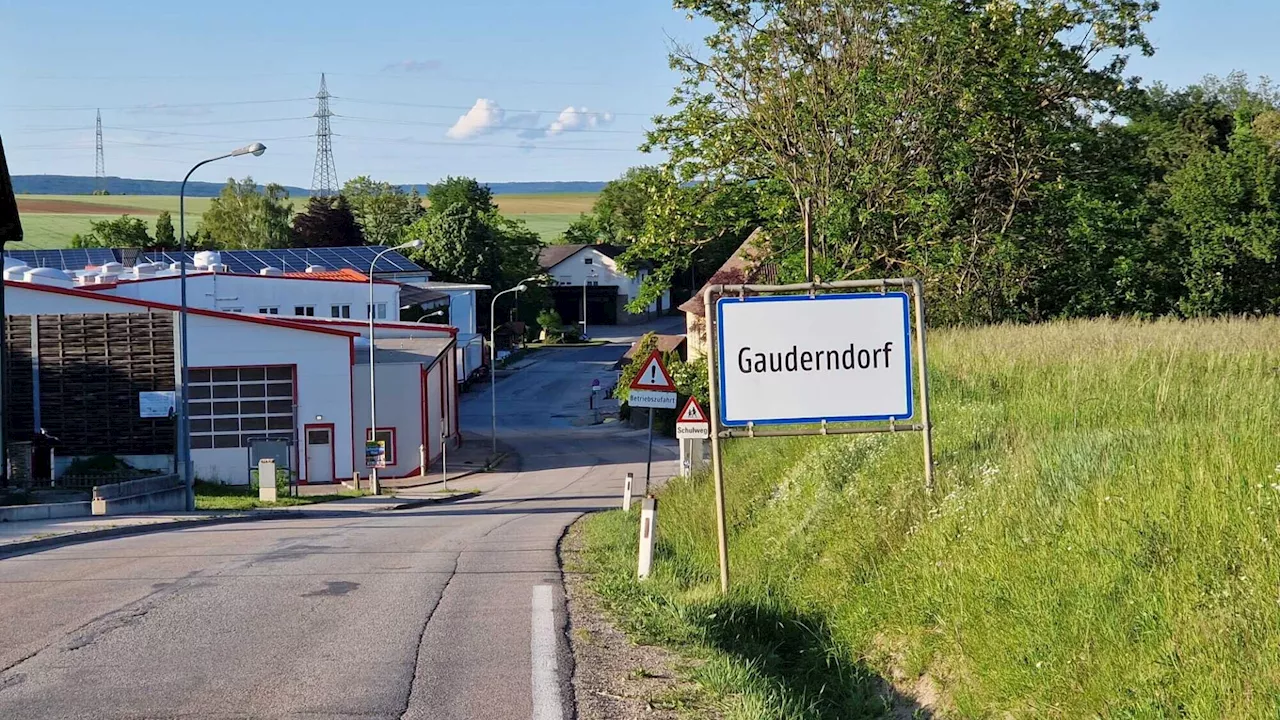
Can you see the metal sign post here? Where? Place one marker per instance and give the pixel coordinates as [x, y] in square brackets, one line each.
[807, 360]
[652, 388]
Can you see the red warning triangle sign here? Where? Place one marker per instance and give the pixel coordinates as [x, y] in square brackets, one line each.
[692, 413]
[653, 375]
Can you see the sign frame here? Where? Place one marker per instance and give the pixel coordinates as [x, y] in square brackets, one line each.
[722, 302]
[693, 429]
[668, 385]
[911, 287]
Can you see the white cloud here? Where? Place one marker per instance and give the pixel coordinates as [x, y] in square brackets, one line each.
[483, 117]
[572, 118]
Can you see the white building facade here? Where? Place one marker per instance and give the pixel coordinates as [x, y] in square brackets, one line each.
[593, 272]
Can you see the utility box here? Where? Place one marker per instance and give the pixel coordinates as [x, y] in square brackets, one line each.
[267, 480]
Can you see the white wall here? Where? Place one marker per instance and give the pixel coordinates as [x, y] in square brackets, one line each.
[249, 293]
[574, 271]
[322, 375]
[462, 309]
[400, 406]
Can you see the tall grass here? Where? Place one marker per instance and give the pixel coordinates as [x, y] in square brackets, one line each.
[1101, 542]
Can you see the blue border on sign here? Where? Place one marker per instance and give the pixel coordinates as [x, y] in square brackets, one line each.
[906, 333]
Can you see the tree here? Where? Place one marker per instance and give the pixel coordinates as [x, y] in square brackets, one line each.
[931, 137]
[327, 222]
[621, 209]
[165, 239]
[124, 231]
[458, 246]
[244, 217]
[454, 191]
[383, 210]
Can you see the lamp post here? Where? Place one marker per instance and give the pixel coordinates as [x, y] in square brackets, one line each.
[493, 357]
[591, 274]
[373, 387]
[184, 418]
[437, 313]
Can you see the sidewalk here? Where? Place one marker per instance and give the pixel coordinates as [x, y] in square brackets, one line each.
[32, 535]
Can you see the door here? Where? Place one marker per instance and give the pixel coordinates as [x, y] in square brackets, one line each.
[319, 455]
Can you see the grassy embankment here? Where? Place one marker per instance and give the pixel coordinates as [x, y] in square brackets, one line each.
[49, 221]
[1102, 542]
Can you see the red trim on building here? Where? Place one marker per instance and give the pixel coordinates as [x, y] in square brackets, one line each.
[151, 304]
[424, 402]
[333, 452]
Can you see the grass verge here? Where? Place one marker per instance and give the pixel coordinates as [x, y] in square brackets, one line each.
[1100, 543]
[213, 496]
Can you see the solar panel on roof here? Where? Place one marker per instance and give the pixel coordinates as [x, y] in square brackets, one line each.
[66, 259]
[249, 262]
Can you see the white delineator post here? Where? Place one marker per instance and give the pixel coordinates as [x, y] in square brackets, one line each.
[648, 534]
[626, 492]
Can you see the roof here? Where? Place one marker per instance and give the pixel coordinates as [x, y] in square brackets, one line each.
[362, 325]
[441, 285]
[666, 344]
[552, 255]
[345, 274]
[150, 304]
[406, 350]
[247, 262]
[745, 265]
[414, 295]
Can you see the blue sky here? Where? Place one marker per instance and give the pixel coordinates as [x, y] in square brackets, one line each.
[421, 89]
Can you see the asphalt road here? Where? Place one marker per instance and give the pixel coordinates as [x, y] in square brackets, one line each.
[449, 611]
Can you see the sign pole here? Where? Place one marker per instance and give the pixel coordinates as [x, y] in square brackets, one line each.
[917, 292]
[717, 468]
[648, 460]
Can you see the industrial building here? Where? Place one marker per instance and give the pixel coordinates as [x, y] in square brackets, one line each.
[302, 379]
[588, 281]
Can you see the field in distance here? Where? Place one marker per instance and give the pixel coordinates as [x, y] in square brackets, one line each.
[49, 221]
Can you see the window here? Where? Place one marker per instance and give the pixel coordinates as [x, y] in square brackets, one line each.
[340, 311]
[588, 261]
[379, 311]
[592, 283]
[269, 311]
[229, 406]
[239, 310]
[388, 437]
[307, 310]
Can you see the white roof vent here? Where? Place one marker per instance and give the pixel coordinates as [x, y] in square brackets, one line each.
[14, 272]
[48, 276]
[217, 268]
[206, 258]
[178, 266]
[145, 270]
[112, 267]
[316, 268]
[13, 263]
[105, 278]
[270, 271]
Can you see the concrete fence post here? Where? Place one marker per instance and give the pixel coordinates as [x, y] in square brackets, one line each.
[648, 534]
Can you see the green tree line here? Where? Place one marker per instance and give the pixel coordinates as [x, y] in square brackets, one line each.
[996, 150]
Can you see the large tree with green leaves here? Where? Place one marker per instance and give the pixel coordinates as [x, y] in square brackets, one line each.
[125, 231]
[327, 222]
[166, 239]
[465, 191]
[245, 217]
[928, 135]
[383, 210]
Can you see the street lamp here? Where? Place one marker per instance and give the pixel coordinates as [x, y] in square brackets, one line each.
[437, 313]
[493, 356]
[184, 418]
[373, 394]
[590, 275]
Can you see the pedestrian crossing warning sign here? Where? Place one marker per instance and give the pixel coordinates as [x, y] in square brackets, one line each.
[692, 423]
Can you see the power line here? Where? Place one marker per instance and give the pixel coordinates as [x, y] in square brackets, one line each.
[429, 123]
[468, 107]
[155, 107]
[466, 144]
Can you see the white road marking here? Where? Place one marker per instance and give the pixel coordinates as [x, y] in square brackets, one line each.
[542, 645]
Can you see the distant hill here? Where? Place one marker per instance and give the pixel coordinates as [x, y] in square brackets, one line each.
[84, 185]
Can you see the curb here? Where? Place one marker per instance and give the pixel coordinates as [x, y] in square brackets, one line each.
[432, 501]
